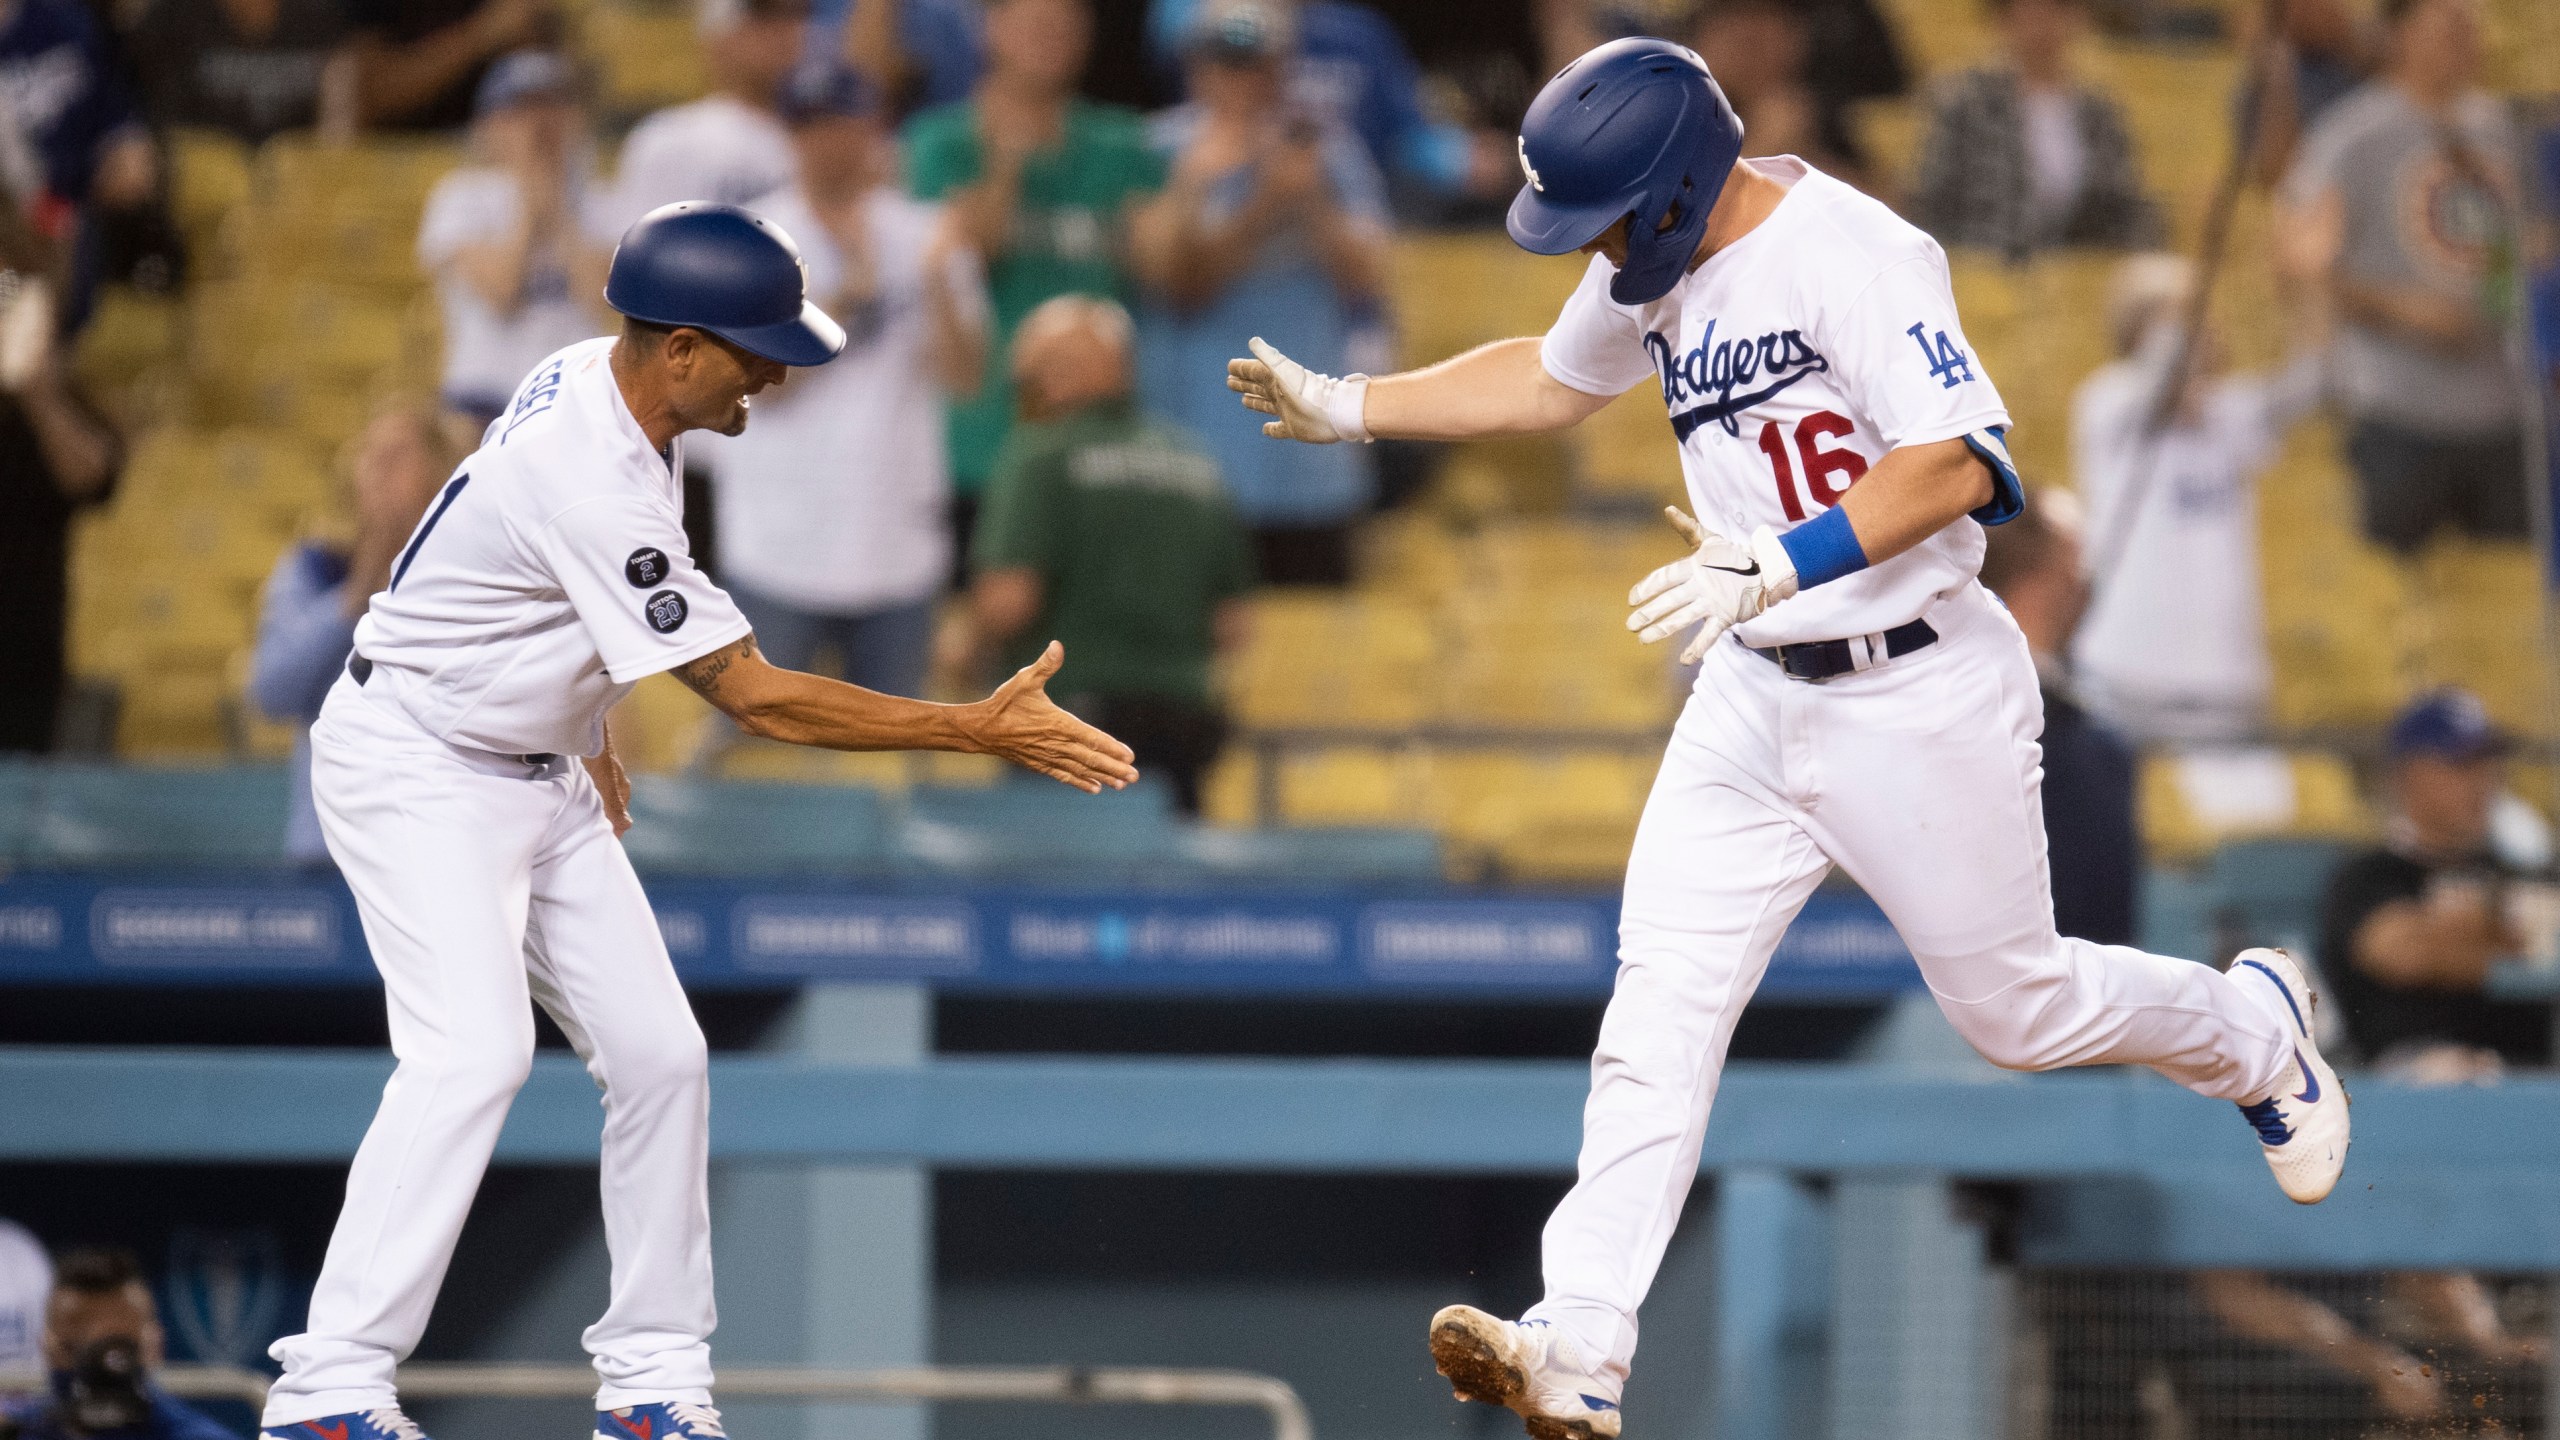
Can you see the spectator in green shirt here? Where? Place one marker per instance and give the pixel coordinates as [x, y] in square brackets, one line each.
[1042, 183]
[1111, 532]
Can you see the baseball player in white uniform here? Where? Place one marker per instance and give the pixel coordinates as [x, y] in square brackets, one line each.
[1862, 701]
[469, 792]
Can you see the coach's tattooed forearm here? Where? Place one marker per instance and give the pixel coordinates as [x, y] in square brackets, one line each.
[703, 675]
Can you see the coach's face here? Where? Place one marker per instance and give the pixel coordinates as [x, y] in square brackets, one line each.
[709, 380]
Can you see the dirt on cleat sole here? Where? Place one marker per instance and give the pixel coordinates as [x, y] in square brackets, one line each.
[1475, 1370]
[1471, 1365]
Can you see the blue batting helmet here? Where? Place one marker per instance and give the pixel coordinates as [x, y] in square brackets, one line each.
[726, 271]
[1636, 127]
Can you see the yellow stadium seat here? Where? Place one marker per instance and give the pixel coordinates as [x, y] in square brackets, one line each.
[659, 725]
[1627, 450]
[801, 765]
[377, 171]
[250, 733]
[1553, 816]
[646, 58]
[1324, 660]
[2192, 802]
[1354, 785]
[208, 179]
[1458, 291]
[129, 332]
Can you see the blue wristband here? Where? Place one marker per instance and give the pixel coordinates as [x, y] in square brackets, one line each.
[1824, 549]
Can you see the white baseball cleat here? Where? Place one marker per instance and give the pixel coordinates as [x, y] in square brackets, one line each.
[1527, 1366]
[2303, 1125]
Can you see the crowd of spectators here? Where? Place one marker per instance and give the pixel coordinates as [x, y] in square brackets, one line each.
[1029, 435]
[946, 178]
[832, 525]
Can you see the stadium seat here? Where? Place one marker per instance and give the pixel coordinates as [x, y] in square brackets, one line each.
[1322, 660]
[19, 779]
[1351, 785]
[645, 58]
[1331, 856]
[1029, 826]
[208, 179]
[1627, 453]
[94, 815]
[884, 770]
[2272, 888]
[2193, 803]
[690, 826]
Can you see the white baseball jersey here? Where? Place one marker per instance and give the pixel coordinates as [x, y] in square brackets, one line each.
[548, 577]
[1792, 360]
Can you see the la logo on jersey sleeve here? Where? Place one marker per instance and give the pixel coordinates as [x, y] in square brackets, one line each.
[1948, 365]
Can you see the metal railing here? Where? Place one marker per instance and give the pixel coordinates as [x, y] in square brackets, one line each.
[1059, 1384]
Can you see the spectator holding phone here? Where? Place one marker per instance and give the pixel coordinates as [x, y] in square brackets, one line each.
[503, 237]
[1273, 224]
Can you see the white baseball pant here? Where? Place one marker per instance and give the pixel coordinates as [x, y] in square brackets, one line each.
[1920, 779]
[487, 882]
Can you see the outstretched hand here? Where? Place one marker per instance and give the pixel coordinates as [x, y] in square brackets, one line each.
[1318, 409]
[1020, 723]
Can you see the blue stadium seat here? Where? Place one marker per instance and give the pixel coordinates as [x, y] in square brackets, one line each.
[17, 807]
[2274, 887]
[735, 827]
[90, 814]
[1341, 855]
[1040, 829]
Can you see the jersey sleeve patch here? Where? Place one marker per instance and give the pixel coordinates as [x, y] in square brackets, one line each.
[666, 612]
[646, 567]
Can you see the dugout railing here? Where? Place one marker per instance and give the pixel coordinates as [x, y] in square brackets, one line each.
[1028, 1384]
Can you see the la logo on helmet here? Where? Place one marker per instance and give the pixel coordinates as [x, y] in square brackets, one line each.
[1528, 169]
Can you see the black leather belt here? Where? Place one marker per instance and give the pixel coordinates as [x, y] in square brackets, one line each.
[361, 670]
[1823, 659]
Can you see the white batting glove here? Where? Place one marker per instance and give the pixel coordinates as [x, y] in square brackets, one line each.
[1319, 409]
[1716, 588]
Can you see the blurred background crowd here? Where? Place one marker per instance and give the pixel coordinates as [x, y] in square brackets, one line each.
[2270, 288]
[273, 263]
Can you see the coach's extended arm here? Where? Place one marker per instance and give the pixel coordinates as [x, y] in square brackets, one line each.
[1019, 722]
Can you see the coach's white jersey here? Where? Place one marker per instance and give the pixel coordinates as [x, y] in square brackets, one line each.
[1792, 361]
[549, 575]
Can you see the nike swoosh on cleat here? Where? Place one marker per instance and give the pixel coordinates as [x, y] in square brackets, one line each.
[333, 1432]
[2282, 989]
[2310, 1096]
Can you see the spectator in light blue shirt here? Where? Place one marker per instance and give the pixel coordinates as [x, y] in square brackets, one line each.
[1349, 64]
[318, 590]
[921, 53]
[1273, 224]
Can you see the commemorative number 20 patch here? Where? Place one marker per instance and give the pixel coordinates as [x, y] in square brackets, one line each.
[666, 611]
